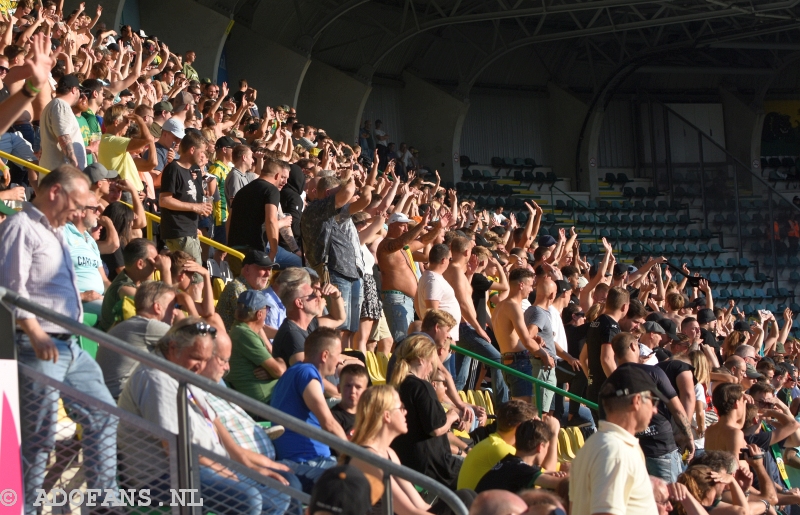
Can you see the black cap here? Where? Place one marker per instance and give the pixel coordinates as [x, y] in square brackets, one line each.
[113, 47]
[545, 240]
[741, 325]
[344, 490]
[125, 93]
[655, 316]
[225, 142]
[562, 286]
[705, 316]
[68, 81]
[670, 327]
[629, 380]
[258, 257]
[620, 270]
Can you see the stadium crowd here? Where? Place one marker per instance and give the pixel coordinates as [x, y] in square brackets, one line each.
[348, 248]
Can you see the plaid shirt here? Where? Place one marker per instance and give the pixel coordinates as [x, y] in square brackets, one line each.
[244, 430]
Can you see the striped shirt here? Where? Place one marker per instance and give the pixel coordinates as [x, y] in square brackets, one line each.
[243, 429]
[37, 265]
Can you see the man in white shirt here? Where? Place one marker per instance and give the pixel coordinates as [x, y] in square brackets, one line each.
[563, 371]
[62, 141]
[434, 292]
[608, 475]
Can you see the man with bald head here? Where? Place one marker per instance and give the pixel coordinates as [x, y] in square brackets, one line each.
[737, 367]
[539, 323]
[498, 502]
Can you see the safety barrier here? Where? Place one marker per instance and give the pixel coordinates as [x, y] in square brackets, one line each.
[538, 384]
[181, 467]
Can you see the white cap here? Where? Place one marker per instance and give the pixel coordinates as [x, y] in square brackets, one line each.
[582, 282]
[399, 218]
[174, 126]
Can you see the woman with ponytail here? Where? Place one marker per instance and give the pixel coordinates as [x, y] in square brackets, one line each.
[380, 418]
[424, 447]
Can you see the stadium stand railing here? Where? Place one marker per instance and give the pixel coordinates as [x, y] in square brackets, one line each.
[183, 456]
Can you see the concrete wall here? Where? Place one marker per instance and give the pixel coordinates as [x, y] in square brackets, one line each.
[186, 25]
[743, 126]
[274, 70]
[566, 114]
[332, 100]
[434, 119]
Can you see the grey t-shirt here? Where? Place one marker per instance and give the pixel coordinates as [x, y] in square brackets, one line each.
[539, 317]
[57, 119]
[142, 333]
[235, 181]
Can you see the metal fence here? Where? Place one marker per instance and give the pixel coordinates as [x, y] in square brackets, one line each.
[71, 452]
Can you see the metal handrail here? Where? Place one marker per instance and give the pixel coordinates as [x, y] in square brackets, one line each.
[150, 216]
[537, 383]
[248, 404]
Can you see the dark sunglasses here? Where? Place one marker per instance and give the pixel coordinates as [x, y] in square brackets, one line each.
[3, 69]
[201, 328]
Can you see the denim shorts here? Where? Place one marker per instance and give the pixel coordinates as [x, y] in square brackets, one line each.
[518, 387]
[352, 297]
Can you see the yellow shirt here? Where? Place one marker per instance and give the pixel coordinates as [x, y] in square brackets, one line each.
[609, 475]
[114, 155]
[481, 459]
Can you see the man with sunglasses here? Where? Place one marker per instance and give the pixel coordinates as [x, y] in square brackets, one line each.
[85, 251]
[609, 475]
[658, 441]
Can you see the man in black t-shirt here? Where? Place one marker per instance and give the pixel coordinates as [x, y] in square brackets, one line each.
[597, 356]
[255, 211]
[658, 441]
[708, 323]
[181, 198]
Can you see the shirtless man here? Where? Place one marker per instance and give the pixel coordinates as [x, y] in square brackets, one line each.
[471, 334]
[517, 345]
[398, 279]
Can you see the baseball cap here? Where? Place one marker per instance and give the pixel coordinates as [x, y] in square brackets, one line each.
[6, 210]
[399, 218]
[670, 327]
[97, 172]
[182, 101]
[620, 270]
[125, 93]
[205, 80]
[780, 348]
[344, 490]
[627, 381]
[582, 282]
[175, 127]
[225, 142]
[752, 373]
[113, 47]
[545, 240]
[741, 325]
[561, 287]
[162, 106]
[68, 81]
[258, 257]
[255, 300]
[705, 316]
[653, 327]
[655, 316]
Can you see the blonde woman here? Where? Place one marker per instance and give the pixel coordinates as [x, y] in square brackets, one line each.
[702, 392]
[425, 447]
[380, 418]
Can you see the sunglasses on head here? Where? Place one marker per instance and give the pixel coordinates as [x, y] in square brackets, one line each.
[201, 328]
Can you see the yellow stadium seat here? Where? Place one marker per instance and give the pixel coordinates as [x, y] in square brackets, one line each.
[564, 447]
[156, 275]
[479, 399]
[470, 397]
[373, 367]
[575, 438]
[218, 285]
[383, 362]
[489, 403]
[462, 395]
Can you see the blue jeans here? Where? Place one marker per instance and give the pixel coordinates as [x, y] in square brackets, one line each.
[399, 311]
[39, 416]
[468, 338]
[309, 471]
[521, 362]
[352, 297]
[247, 497]
[285, 259]
[668, 467]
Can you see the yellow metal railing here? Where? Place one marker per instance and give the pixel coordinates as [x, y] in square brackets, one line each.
[150, 216]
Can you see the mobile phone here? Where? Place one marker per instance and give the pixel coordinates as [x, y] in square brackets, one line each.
[744, 453]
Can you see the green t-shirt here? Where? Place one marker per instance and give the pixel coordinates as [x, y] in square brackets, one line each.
[247, 354]
[112, 302]
[85, 133]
